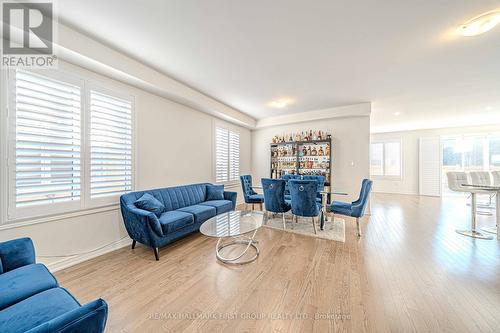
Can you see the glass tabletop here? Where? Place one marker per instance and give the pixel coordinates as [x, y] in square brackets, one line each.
[232, 223]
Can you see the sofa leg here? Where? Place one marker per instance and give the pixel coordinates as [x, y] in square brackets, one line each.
[314, 225]
[357, 226]
[133, 244]
[284, 222]
[155, 249]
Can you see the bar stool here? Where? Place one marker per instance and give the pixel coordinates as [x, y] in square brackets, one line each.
[455, 181]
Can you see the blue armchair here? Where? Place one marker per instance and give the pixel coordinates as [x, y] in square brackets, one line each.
[250, 196]
[274, 197]
[304, 202]
[31, 299]
[356, 208]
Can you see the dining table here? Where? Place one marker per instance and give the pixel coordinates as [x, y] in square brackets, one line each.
[490, 188]
[327, 191]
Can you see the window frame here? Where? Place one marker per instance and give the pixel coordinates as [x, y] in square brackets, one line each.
[230, 128]
[112, 199]
[383, 176]
[13, 214]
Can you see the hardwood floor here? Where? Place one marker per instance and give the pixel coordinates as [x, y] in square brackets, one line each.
[410, 272]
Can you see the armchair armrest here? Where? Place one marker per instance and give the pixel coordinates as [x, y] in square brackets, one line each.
[231, 196]
[16, 253]
[138, 218]
[89, 318]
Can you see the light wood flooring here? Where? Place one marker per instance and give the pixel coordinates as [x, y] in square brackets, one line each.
[410, 272]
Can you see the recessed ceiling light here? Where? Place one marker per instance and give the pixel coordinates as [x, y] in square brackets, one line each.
[480, 24]
[397, 113]
[281, 103]
[488, 108]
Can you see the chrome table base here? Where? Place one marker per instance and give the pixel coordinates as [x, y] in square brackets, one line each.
[242, 240]
[474, 234]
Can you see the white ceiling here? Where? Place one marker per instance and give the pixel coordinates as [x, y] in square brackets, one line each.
[403, 56]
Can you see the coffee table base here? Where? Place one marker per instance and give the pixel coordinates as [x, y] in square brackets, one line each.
[248, 241]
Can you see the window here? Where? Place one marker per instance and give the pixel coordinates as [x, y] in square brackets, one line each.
[47, 141]
[227, 155]
[54, 137]
[385, 159]
[110, 145]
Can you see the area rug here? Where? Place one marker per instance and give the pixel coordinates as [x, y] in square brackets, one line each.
[333, 230]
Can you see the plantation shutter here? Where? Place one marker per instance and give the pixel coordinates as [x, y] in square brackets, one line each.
[227, 155]
[110, 145]
[221, 155]
[234, 156]
[47, 140]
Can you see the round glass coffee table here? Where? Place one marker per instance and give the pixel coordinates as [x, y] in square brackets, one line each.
[235, 226]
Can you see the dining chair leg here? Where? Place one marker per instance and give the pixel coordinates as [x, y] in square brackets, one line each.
[284, 223]
[253, 206]
[296, 219]
[357, 226]
[314, 225]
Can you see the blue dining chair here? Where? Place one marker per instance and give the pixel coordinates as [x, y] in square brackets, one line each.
[321, 185]
[304, 202]
[286, 178]
[356, 208]
[249, 195]
[274, 197]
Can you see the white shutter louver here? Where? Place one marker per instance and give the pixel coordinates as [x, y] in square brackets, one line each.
[47, 140]
[227, 155]
[110, 145]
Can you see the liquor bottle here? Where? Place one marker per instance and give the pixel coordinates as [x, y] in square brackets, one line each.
[327, 150]
[314, 152]
[309, 151]
[321, 152]
[304, 151]
[310, 134]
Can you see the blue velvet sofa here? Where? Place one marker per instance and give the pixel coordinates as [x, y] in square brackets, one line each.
[32, 301]
[185, 208]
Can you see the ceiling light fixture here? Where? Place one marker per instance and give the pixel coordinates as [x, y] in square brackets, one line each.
[488, 108]
[480, 24]
[397, 113]
[281, 103]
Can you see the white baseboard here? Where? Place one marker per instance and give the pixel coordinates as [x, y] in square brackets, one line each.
[70, 261]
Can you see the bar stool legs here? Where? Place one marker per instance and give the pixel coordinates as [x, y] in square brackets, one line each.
[473, 231]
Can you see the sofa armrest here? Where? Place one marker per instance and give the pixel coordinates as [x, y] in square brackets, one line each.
[139, 219]
[231, 196]
[89, 318]
[16, 253]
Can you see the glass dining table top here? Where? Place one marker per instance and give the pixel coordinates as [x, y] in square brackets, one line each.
[234, 223]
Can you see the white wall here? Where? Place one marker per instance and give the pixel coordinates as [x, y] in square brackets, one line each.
[173, 146]
[408, 184]
[350, 154]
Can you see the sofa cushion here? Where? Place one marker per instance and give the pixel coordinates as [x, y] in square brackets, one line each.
[36, 310]
[215, 192]
[221, 206]
[24, 282]
[175, 220]
[201, 212]
[150, 203]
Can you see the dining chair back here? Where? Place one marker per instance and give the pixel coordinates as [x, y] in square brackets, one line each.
[303, 195]
[249, 195]
[356, 208]
[274, 197]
